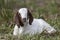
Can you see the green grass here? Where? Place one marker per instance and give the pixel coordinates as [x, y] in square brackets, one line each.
[49, 10]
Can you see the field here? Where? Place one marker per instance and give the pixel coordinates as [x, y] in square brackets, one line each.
[49, 10]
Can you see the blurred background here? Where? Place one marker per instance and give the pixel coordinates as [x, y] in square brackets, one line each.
[49, 10]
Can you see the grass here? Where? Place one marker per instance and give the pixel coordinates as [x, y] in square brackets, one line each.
[48, 10]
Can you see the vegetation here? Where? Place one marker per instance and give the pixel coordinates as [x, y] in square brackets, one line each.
[49, 10]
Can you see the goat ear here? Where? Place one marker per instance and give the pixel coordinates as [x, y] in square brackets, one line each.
[17, 20]
[30, 17]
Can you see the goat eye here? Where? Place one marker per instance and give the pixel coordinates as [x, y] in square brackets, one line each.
[19, 14]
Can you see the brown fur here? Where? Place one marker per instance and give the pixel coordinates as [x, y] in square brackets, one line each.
[18, 20]
[30, 17]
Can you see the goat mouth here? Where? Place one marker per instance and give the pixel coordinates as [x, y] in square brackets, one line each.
[24, 19]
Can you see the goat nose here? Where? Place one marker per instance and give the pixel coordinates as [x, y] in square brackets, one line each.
[24, 19]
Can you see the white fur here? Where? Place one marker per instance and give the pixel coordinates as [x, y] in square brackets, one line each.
[23, 12]
[37, 27]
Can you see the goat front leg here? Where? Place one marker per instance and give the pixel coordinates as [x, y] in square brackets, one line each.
[16, 30]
